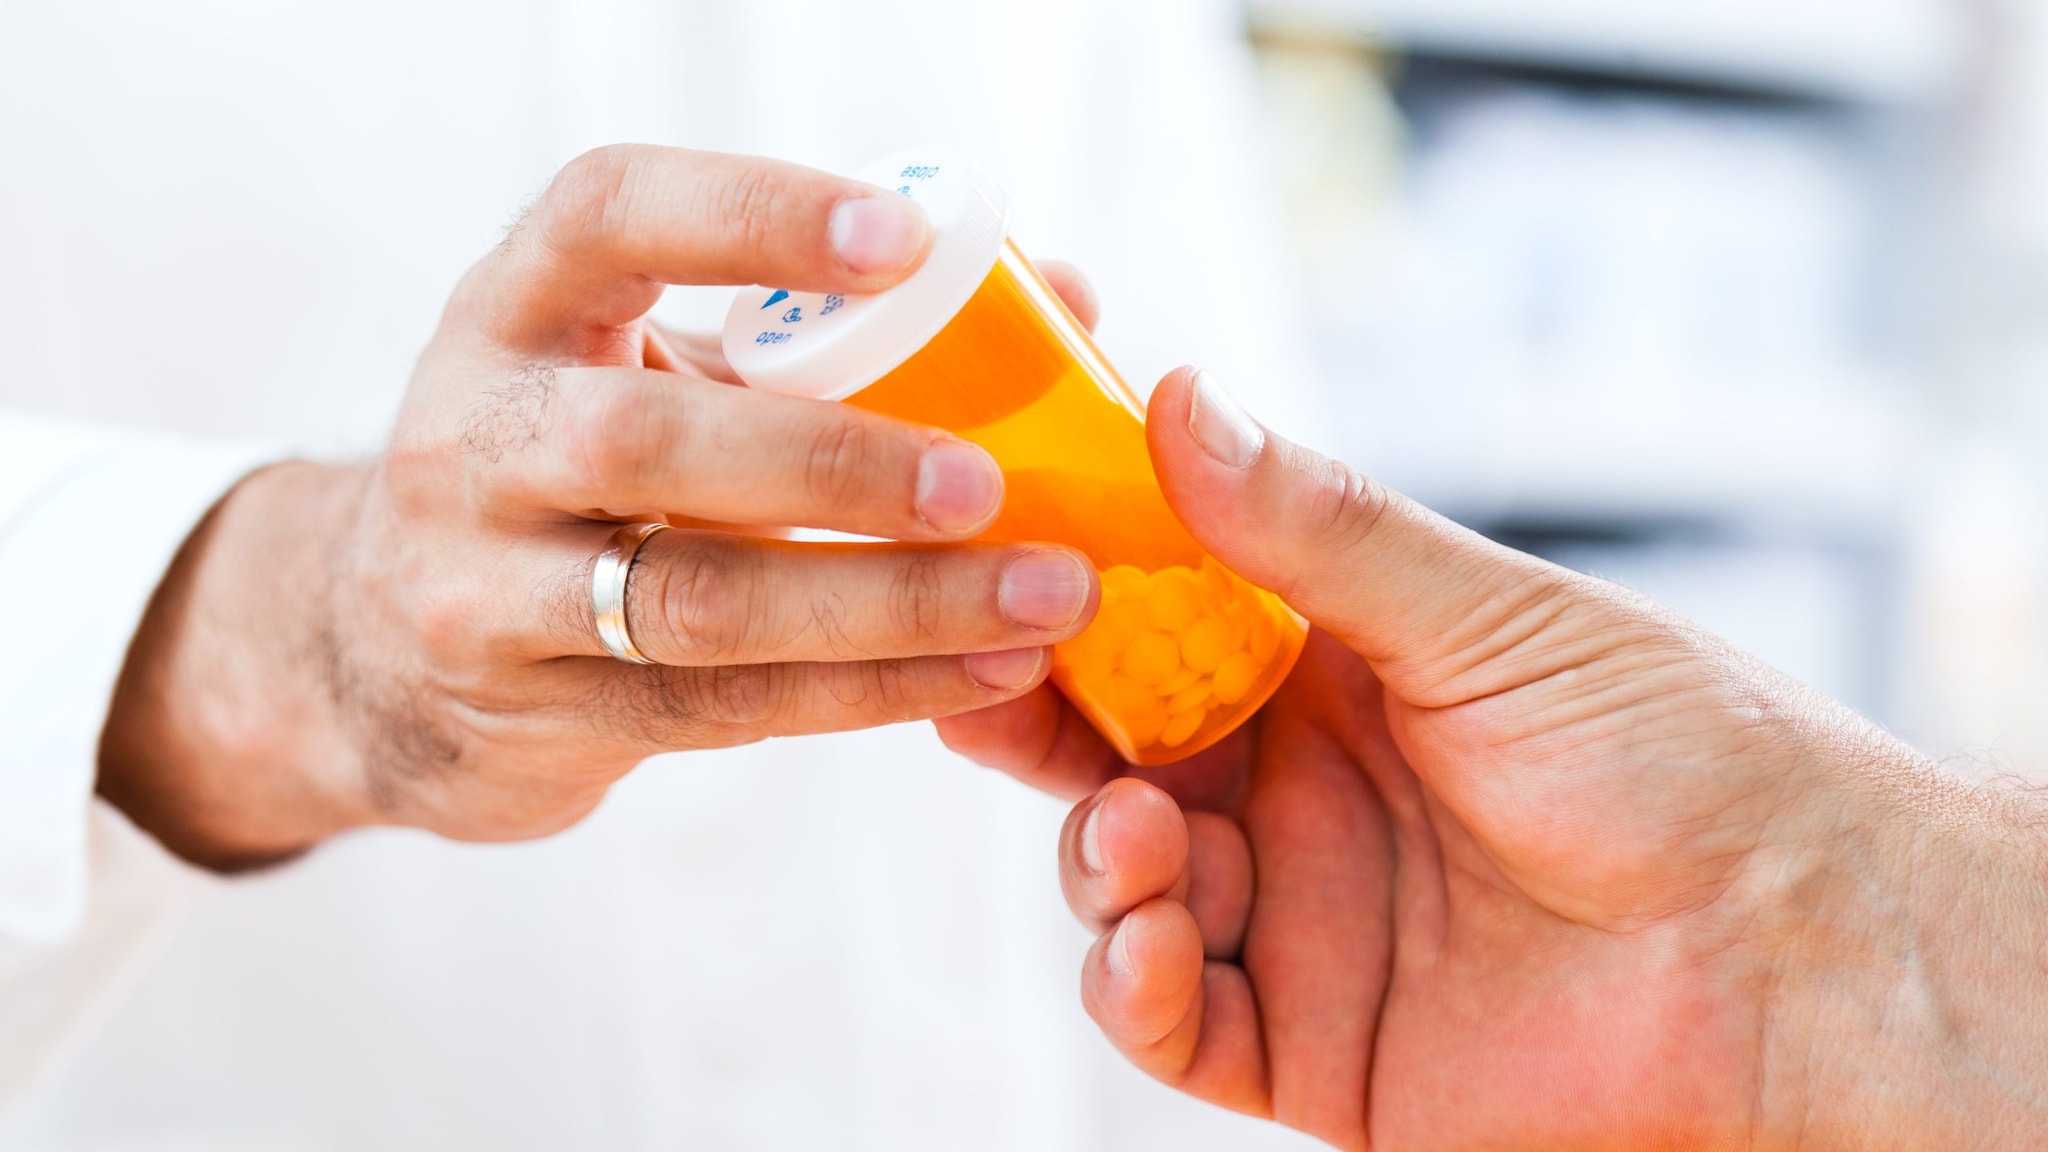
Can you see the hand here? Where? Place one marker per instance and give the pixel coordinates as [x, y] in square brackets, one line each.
[1517, 859]
[411, 641]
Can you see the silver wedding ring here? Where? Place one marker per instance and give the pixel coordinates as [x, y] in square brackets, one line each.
[608, 590]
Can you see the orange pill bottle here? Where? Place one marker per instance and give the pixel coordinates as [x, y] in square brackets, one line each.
[1181, 650]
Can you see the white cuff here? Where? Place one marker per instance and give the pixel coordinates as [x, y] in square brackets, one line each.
[89, 522]
[54, 994]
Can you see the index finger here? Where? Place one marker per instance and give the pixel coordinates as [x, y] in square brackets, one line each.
[620, 222]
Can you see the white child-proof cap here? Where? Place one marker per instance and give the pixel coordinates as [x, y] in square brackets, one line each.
[828, 347]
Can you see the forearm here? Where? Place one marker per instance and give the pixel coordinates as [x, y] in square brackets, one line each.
[222, 738]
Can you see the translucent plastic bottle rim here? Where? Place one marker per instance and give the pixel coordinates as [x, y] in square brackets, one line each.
[829, 347]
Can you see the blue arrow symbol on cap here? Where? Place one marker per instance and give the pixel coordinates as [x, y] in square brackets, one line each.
[781, 294]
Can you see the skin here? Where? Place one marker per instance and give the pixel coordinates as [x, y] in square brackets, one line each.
[1517, 859]
[410, 641]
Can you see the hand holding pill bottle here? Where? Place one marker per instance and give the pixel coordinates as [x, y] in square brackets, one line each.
[1181, 650]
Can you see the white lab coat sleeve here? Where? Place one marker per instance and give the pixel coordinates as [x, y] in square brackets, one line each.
[90, 519]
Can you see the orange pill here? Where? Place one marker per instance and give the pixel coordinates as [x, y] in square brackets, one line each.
[1146, 727]
[1205, 643]
[1124, 582]
[1119, 624]
[1174, 599]
[1193, 696]
[1180, 727]
[1152, 658]
[1089, 656]
[1176, 682]
[1234, 678]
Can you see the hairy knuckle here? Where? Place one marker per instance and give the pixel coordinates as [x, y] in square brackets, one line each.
[651, 705]
[875, 692]
[891, 689]
[848, 685]
[738, 696]
[828, 624]
[836, 463]
[917, 598]
[511, 416]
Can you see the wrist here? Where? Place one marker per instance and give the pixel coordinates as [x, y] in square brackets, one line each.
[223, 739]
[1906, 1006]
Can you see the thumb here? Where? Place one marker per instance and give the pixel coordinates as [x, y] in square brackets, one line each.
[1433, 606]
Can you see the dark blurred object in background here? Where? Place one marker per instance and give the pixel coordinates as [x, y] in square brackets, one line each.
[1742, 304]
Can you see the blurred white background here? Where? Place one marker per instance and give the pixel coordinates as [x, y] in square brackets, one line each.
[1741, 303]
[1745, 304]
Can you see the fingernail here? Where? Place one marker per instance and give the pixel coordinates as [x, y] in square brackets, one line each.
[1044, 588]
[1005, 671]
[1091, 842]
[878, 233]
[1224, 430]
[959, 486]
[1118, 954]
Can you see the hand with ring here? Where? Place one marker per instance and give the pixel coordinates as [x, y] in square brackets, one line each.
[460, 636]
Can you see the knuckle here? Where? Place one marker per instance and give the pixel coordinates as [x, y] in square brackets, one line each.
[836, 464]
[896, 689]
[1348, 508]
[415, 477]
[510, 416]
[619, 435]
[746, 204]
[447, 615]
[450, 632]
[828, 624]
[736, 696]
[472, 294]
[705, 596]
[889, 690]
[587, 198]
[653, 705]
[917, 598]
[876, 692]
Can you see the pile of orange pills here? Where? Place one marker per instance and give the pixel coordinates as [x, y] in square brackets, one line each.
[1168, 648]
